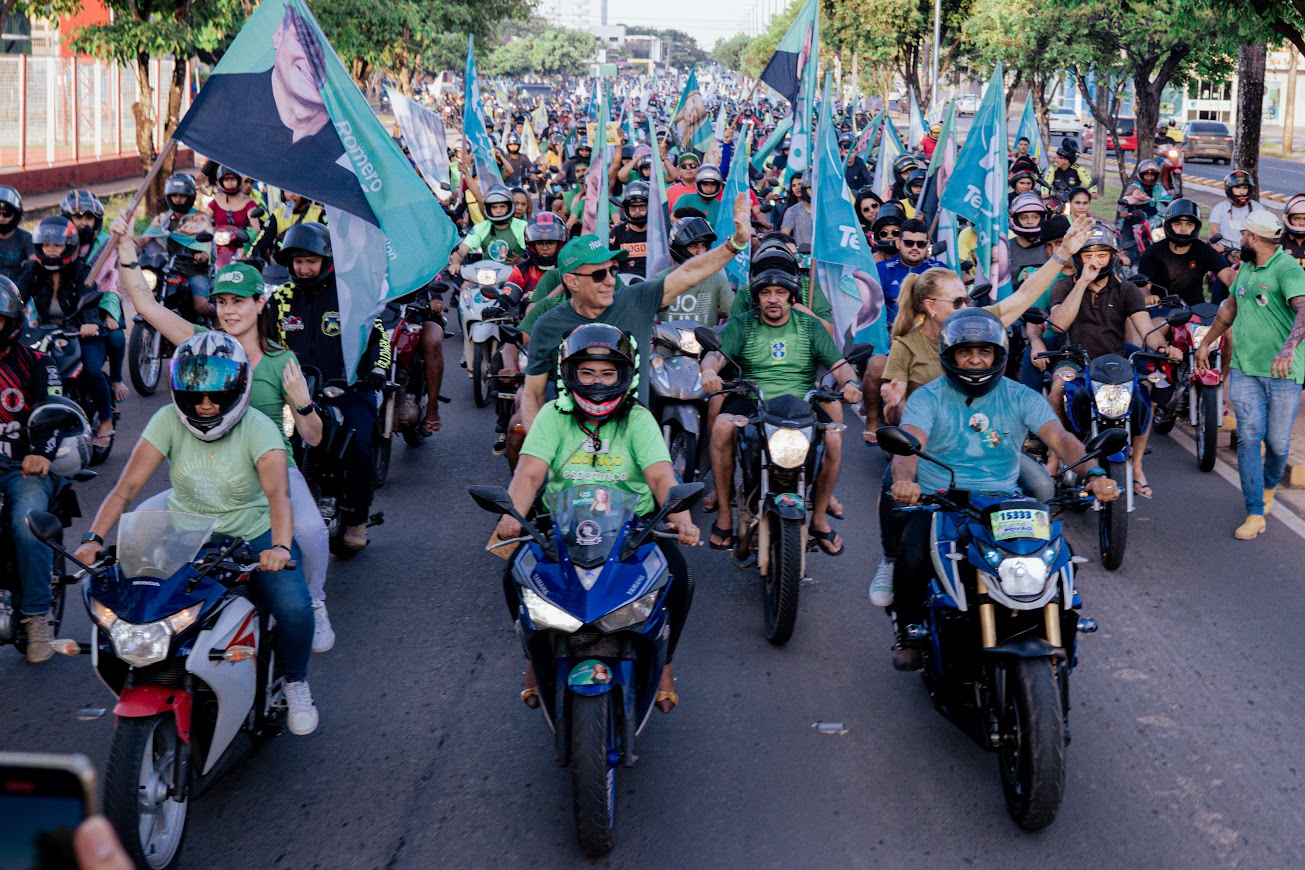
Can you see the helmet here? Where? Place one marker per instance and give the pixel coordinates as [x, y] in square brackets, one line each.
[935, 130]
[890, 214]
[973, 327]
[180, 184]
[773, 278]
[708, 175]
[306, 238]
[498, 196]
[80, 202]
[1101, 238]
[59, 425]
[512, 139]
[228, 172]
[1066, 151]
[1295, 205]
[772, 254]
[11, 309]
[1238, 178]
[1027, 202]
[1020, 164]
[902, 165]
[846, 140]
[10, 197]
[635, 191]
[598, 341]
[1021, 174]
[211, 364]
[687, 231]
[1182, 208]
[914, 177]
[56, 231]
[544, 227]
[1147, 166]
[582, 142]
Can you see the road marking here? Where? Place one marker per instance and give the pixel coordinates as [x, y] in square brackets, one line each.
[1224, 470]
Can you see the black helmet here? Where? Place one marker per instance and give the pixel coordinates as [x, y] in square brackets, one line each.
[845, 140]
[1054, 228]
[635, 191]
[772, 254]
[1020, 175]
[211, 364]
[76, 203]
[973, 327]
[59, 423]
[179, 184]
[583, 142]
[545, 227]
[773, 278]
[1101, 238]
[512, 139]
[687, 231]
[1067, 151]
[1238, 178]
[1182, 208]
[310, 238]
[498, 196]
[903, 165]
[11, 197]
[890, 215]
[56, 230]
[708, 174]
[598, 341]
[914, 177]
[227, 172]
[11, 309]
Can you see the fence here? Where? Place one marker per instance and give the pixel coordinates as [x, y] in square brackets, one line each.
[60, 110]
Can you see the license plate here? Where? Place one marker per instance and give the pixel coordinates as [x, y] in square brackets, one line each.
[1027, 523]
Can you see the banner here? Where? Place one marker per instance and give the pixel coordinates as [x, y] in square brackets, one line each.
[473, 127]
[890, 148]
[771, 143]
[691, 119]
[597, 217]
[915, 132]
[281, 107]
[659, 230]
[1029, 129]
[736, 183]
[784, 70]
[866, 141]
[423, 133]
[530, 144]
[800, 145]
[940, 168]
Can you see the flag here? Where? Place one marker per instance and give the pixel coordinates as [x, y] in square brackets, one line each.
[691, 116]
[301, 124]
[771, 143]
[714, 154]
[977, 189]
[784, 70]
[845, 267]
[800, 143]
[539, 118]
[658, 233]
[530, 144]
[736, 183]
[597, 217]
[940, 168]
[423, 133]
[867, 139]
[473, 126]
[890, 148]
[915, 132]
[1029, 128]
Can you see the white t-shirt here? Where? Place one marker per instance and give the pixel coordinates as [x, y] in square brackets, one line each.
[1232, 219]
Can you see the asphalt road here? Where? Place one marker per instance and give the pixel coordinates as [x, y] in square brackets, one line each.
[1186, 719]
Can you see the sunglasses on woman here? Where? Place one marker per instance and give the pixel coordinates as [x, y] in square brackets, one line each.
[956, 302]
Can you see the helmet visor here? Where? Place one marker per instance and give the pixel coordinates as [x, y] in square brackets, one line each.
[206, 374]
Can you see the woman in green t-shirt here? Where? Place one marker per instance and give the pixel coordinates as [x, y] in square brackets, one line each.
[596, 423]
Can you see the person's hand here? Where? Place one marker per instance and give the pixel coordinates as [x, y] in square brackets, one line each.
[1283, 363]
[296, 388]
[1090, 273]
[110, 323]
[893, 392]
[742, 219]
[1175, 353]
[1077, 236]
[687, 533]
[33, 464]
[1151, 299]
[851, 393]
[374, 379]
[1103, 489]
[712, 382]
[87, 553]
[88, 330]
[436, 305]
[508, 527]
[98, 847]
[906, 493]
[273, 559]
[1202, 358]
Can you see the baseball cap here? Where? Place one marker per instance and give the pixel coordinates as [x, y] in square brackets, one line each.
[238, 279]
[585, 250]
[1264, 224]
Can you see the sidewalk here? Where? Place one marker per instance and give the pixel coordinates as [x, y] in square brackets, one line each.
[38, 205]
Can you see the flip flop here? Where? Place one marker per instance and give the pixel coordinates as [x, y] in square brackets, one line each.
[829, 512]
[663, 697]
[430, 427]
[710, 508]
[871, 438]
[821, 538]
[530, 697]
[120, 392]
[1142, 489]
[727, 535]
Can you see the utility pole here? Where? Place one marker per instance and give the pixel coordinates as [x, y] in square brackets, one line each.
[1289, 110]
[937, 39]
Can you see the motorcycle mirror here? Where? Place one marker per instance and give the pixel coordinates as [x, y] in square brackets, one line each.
[1035, 315]
[859, 353]
[492, 498]
[940, 248]
[897, 442]
[707, 338]
[1106, 442]
[979, 293]
[257, 213]
[45, 526]
[1178, 317]
[203, 237]
[682, 496]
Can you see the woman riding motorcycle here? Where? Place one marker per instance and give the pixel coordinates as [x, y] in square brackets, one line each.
[596, 422]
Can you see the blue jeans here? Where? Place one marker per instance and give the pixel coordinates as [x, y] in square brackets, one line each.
[92, 376]
[285, 594]
[1030, 376]
[200, 285]
[1266, 411]
[116, 339]
[35, 560]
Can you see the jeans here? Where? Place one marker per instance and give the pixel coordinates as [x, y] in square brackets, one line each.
[1266, 411]
[891, 523]
[285, 594]
[1029, 374]
[200, 285]
[116, 339]
[35, 560]
[93, 379]
[360, 411]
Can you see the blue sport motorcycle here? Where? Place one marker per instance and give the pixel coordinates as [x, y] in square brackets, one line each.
[1001, 626]
[588, 591]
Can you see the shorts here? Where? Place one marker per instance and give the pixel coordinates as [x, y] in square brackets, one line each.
[746, 406]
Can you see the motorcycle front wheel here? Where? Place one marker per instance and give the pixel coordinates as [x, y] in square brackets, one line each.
[1207, 427]
[1112, 519]
[593, 773]
[481, 374]
[785, 577]
[1032, 752]
[683, 447]
[143, 768]
[144, 360]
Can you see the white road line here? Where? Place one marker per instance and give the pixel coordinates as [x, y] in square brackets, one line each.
[1224, 470]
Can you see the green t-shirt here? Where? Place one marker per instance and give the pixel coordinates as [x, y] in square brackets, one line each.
[781, 359]
[485, 232]
[219, 478]
[542, 303]
[709, 207]
[1264, 317]
[819, 305]
[703, 303]
[628, 448]
[633, 310]
[268, 392]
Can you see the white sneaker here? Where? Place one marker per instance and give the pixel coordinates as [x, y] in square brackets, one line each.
[881, 586]
[323, 634]
[302, 718]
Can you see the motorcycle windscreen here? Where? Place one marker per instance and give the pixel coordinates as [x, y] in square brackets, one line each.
[159, 543]
[589, 520]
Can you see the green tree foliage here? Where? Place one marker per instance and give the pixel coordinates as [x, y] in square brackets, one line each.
[682, 50]
[728, 52]
[552, 52]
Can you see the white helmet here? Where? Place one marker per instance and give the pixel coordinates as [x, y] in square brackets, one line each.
[210, 364]
[59, 428]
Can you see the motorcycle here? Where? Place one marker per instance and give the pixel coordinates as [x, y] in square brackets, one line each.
[589, 591]
[1003, 586]
[481, 336]
[1203, 397]
[678, 401]
[146, 348]
[405, 406]
[780, 450]
[191, 659]
[1171, 166]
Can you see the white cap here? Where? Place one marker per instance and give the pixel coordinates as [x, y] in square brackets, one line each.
[1264, 224]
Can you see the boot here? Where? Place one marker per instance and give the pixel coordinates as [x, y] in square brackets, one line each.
[355, 537]
[1248, 530]
[38, 638]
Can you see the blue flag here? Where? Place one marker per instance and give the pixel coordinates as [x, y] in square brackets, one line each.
[977, 189]
[1029, 129]
[473, 126]
[423, 133]
[658, 237]
[771, 143]
[281, 107]
[799, 151]
[736, 270]
[691, 119]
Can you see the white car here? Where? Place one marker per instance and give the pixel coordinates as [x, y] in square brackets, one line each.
[1065, 121]
[967, 104]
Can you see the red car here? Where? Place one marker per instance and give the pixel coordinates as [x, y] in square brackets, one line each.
[1126, 131]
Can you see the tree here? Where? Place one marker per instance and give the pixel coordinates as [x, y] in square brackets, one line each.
[1014, 33]
[554, 52]
[682, 50]
[45, 9]
[728, 52]
[1250, 105]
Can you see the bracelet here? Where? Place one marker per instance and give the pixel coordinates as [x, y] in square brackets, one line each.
[1095, 471]
[739, 249]
[304, 410]
[135, 264]
[279, 547]
[1055, 255]
[707, 373]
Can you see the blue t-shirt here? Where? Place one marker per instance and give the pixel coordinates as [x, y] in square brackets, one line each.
[981, 440]
[891, 275]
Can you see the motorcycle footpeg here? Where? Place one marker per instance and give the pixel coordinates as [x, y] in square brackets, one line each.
[376, 519]
[917, 632]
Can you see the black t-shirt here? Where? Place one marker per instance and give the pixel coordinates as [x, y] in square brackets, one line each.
[1181, 274]
[14, 251]
[1295, 247]
[626, 238]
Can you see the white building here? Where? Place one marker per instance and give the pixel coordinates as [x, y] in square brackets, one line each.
[572, 14]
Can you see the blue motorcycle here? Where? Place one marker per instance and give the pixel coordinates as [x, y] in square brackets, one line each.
[589, 595]
[1002, 625]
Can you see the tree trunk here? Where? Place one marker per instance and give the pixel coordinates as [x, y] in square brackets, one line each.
[1289, 105]
[142, 112]
[1250, 104]
[1146, 106]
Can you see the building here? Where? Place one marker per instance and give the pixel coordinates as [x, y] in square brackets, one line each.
[645, 51]
[573, 14]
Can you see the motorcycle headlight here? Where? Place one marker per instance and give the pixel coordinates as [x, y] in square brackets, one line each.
[689, 343]
[545, 614]
[1022, 576]
[788, 447]
[151, 278]
[142, 645]
[486, 277]
[631, 614]
[222, 239]
[1112, 400]
[1198, 335]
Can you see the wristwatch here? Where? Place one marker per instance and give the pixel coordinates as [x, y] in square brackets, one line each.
[91, 537]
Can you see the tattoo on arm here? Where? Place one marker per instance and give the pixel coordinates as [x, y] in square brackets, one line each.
[1297, 328]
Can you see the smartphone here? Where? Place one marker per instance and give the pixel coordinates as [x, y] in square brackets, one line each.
[43, 798]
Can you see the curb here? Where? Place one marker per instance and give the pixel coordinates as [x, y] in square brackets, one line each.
[1217, 187]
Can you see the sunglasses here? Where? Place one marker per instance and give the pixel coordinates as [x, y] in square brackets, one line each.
[957, 302]
[598, 276]
[888, 234]
[688, 166]
[914, 243]
[869, 210]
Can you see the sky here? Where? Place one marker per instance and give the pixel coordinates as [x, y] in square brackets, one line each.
[705, 22]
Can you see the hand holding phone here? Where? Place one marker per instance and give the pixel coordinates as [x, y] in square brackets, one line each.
[43, 798]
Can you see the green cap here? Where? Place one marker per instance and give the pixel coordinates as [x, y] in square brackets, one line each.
[582, 250]
[238, 279]
[688, 155]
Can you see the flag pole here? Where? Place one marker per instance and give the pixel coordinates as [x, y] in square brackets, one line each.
[110, 246]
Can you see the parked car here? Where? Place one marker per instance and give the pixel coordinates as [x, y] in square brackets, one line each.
[1065, 121]
[1126, 131]
[1207, 140]
[968, 104]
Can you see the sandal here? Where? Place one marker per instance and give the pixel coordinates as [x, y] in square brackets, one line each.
[871, 438]
[120, 392]
[819, 539]
[710, 503]
[663, 697]
[430, 427]
[1142, 489]
[726, 535]
[530, 697]
[829, 508]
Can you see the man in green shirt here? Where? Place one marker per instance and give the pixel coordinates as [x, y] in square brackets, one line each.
[779, 349]
[1266, 311]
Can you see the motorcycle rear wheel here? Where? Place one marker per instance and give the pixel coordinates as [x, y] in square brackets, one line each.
[1207, 427]
[785, 581]
[1031, 757]
[144, 358]
[593, 774]
[1112, 519]
[142, 766]
[683, 448]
